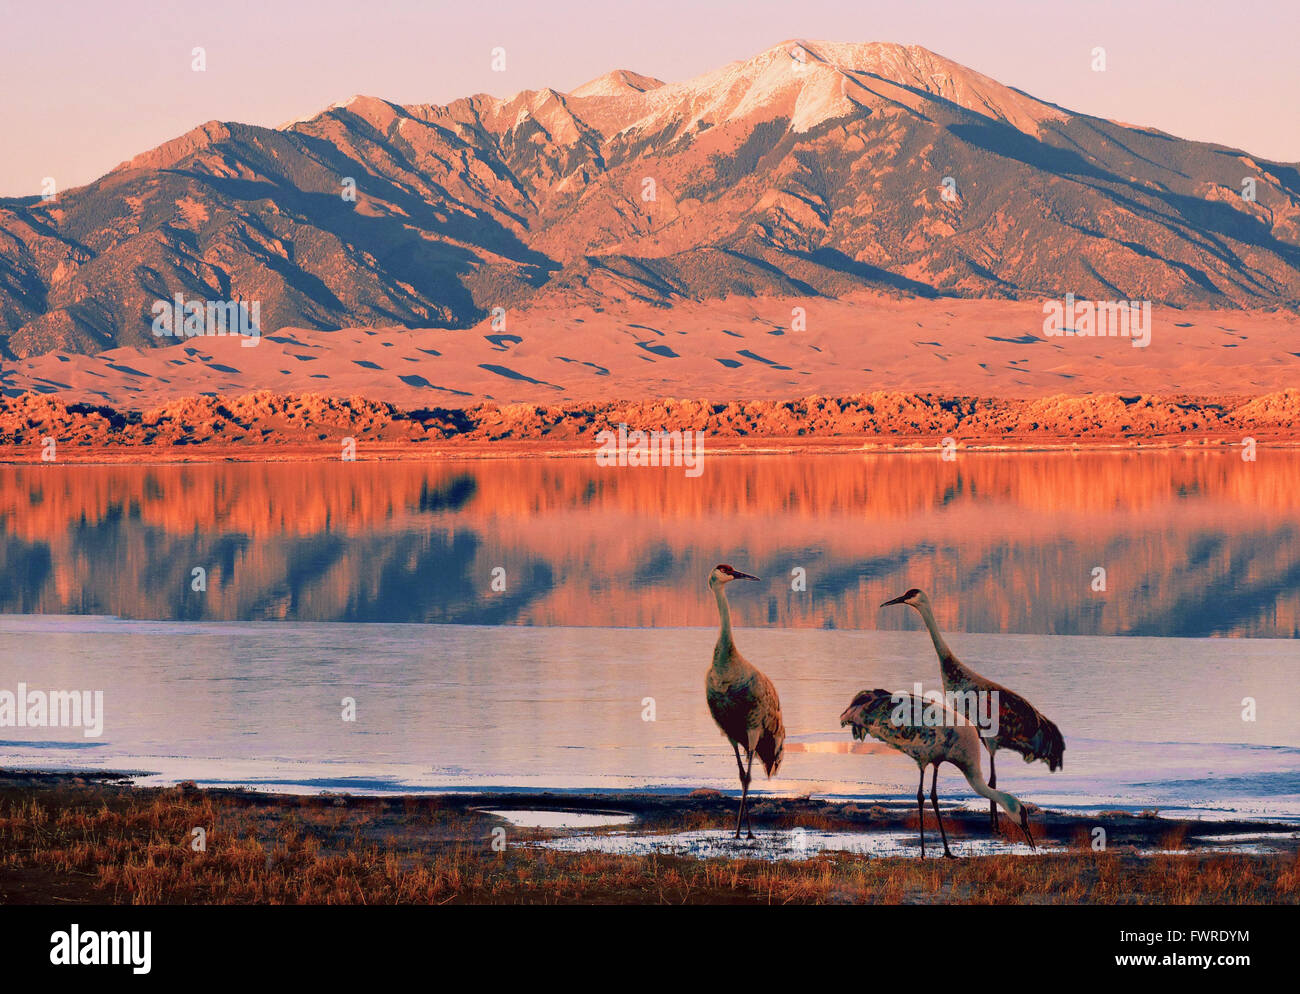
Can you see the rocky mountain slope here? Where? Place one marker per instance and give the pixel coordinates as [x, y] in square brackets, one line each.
[811, 169]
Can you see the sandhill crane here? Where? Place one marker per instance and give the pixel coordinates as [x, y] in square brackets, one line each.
[1021, 727]
[742, 700]
[890, 718]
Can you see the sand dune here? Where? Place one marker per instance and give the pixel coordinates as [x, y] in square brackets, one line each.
[739, 348]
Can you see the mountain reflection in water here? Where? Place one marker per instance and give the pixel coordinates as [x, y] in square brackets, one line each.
[1193, 543]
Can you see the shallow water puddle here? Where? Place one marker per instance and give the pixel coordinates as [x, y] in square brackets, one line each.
[1227, 840]
[1236, 850]
[552, 818]
[798, 844]
[786, 844]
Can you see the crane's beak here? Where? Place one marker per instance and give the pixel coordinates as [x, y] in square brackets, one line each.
[902, 599]
[737, 575]
[1024, 827]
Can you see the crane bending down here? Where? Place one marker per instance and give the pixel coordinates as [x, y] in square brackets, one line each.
[1021, 727]
[885, 716]
[742, 700]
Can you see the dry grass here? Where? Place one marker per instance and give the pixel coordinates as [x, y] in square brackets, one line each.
[89, 844]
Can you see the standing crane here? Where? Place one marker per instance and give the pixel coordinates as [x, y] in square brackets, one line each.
[742, 700]
[886, 717]
[1021, 727]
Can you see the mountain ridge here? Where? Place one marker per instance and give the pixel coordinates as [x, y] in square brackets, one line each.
[813, 168]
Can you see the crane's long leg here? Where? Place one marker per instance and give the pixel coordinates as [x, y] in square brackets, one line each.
[748, 778]
[744, 787]
[934, 799]
[744, 800]
[740, 766]
[993, 782]
[920, 809]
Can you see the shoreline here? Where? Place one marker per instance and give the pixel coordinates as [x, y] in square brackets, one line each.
[651, 799]
[489, 451]
[658, 809]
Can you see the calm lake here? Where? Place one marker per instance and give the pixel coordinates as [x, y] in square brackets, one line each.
[511, 623]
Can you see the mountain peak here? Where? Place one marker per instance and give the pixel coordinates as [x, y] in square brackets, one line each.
[170, 152]
[926, 73]
[813, 81]
[618, 83]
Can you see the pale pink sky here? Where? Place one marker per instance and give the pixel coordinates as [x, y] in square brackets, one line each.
[89, 84]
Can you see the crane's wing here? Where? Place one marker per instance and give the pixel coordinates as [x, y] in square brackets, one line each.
[1024, 729]
[870, 708]
[771, 729]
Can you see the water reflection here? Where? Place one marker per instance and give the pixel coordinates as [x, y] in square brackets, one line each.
[1192, 543]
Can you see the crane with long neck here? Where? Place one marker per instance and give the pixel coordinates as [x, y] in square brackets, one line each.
[742, 701]
[1020, 727]
[940, 738]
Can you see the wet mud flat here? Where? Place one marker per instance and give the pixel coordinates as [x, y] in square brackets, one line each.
[702, 824]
